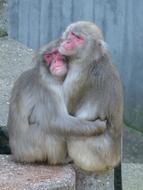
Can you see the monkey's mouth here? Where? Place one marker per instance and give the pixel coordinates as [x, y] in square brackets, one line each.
[58, 71]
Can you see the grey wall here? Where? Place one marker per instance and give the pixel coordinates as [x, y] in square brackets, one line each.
[36, 22]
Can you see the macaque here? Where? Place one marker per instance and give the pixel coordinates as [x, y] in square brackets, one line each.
[92, 91]
[38, 120]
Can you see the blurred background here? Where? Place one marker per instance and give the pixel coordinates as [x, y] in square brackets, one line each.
[36, 22]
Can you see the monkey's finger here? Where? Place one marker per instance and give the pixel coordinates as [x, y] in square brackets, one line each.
[101, 125]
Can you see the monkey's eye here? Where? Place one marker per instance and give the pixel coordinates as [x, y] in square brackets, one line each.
[48, 58]
[78, 37]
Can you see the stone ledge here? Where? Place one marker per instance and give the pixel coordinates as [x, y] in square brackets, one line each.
[132, 176]
[15, 176]
[85, 181]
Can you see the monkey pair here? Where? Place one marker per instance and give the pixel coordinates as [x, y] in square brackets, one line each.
[71, 101]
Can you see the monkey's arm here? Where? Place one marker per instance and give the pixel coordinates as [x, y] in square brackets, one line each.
[72, 126]
[61, 123]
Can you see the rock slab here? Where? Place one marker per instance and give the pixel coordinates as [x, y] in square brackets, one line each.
[14, 59]
[132, 176]
[18, 176]
[85, 181]
[34, 177]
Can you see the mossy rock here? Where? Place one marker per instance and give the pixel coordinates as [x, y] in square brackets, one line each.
[3, 32]
[1, 3]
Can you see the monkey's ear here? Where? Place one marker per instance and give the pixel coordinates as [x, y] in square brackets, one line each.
[101, 49]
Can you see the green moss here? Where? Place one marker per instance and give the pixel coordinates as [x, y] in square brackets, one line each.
[132, 129]
[1, 3]
[3, 32]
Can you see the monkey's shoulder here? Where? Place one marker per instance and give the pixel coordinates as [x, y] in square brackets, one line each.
[26, 78]
[25, 82]
[105, 71]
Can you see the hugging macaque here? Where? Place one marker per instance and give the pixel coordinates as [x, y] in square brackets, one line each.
[38, 120]
[92, 90]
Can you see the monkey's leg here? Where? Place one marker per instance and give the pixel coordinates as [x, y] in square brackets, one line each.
[56, 149]
[83, 156]
[33, 145]
[94, 154]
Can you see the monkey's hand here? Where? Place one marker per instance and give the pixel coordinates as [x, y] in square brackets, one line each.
[100, 126]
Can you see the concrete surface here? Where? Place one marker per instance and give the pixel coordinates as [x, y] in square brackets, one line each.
[85, 181]
[132, 167]
[132, 176]
[18, 176]
[39, 177]
[34, 177]
[14, 59]
[132, 146]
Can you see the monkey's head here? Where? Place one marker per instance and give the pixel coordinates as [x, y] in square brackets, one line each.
[82, 39]
[55, 62]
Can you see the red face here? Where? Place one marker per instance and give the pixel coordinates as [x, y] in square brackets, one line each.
[56, 62]
[71, 43]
